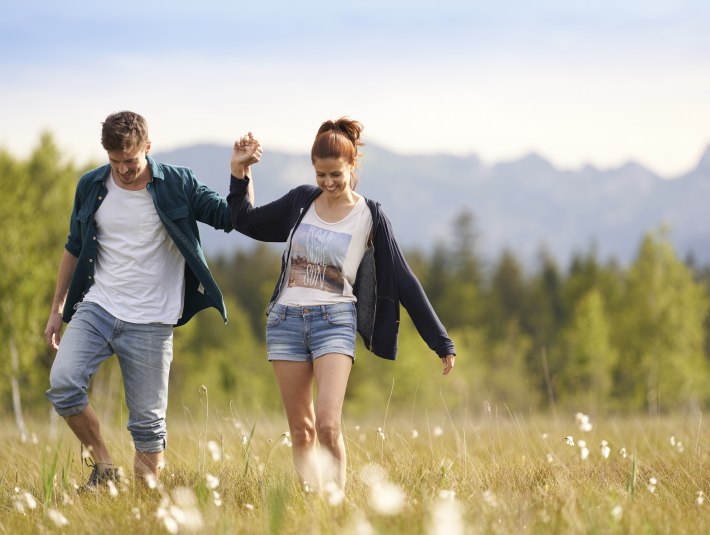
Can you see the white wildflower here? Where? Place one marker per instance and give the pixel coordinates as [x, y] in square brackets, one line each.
[605, 450]
[700, 497]
[415, 433]
[30, 500]
[211, 481]
[19, 505]
[490, 498]
[446, 517]
[357, 428]
[185, 509]
[673, 440]
[623, 453]
[679, 447]
[544, 436]
[58, 518]
[584, 452]
[387, 498]
[334, 494]
[215, 450]
[151, 481]
[248, 507]
[381, 433]
[570, 440]
[112, 490]
[652, 482]
[217, 498]
[438, 431]
[136, 513]
[170, 524]
[286, 439]
[617, 513]
[583, 422]
[550, 458]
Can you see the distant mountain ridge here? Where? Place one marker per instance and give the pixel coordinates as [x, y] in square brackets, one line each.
[522, 205]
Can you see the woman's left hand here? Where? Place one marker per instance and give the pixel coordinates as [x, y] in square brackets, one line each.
[448, 362]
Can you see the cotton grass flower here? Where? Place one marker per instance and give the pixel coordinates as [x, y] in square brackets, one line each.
[333, 493]
[569, 440]
[112, 490]
[212, 482]
[380, 433]
[445, 515]
[652, 482]
[58, 518]
[490, 498]
[583, 422]
[617, 513]
[604, 449]
[286, 439]
[550, 458]
[248, 507]
[623, 453]
[387, 499]
[438, 431]
[415, 434]
[700, 497]
[215, 450]
[583, 449]
[216, 498]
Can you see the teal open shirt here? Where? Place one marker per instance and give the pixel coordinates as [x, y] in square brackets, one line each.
[180, 201]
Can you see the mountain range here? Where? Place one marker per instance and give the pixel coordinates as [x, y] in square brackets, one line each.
[522, 205]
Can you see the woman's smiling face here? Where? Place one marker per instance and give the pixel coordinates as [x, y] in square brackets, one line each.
[332, 175]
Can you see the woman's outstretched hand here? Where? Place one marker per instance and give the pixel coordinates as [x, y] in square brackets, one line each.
[246, 151]
[448, 362]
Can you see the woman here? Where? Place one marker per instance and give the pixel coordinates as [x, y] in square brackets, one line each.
[342, 271]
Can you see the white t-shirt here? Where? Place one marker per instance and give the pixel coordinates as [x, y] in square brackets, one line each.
[140, 273]
[325, 257]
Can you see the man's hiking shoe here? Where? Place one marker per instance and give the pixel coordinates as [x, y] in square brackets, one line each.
[99, 478]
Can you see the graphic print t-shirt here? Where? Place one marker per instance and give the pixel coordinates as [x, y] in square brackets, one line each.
[325, 257]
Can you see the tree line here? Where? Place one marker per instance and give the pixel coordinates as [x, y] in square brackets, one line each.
[593, 335]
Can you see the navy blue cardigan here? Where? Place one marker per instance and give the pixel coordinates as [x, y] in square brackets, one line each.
[384, 279]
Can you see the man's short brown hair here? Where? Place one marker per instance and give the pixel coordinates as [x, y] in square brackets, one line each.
[124, 131]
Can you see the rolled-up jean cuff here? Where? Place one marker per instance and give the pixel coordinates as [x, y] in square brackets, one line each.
[154, 446]
[71, 411]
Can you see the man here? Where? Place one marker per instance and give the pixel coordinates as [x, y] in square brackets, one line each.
[132, 268]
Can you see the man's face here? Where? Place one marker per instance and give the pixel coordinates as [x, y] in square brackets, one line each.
[130, 168]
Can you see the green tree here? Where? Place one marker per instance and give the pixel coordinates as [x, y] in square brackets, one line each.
[583, 371]
[34, 207]
[660, 332]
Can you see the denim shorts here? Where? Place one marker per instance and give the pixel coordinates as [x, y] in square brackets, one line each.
[304, 333]
[144, 353]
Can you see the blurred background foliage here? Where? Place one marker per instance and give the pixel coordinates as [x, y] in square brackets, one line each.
[591, 336]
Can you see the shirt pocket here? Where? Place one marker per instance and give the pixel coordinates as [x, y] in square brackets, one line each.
[150, 229]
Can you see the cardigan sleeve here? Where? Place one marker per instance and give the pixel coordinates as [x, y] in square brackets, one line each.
[270, 222]
[415, 301]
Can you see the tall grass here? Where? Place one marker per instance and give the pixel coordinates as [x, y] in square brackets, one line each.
[494, 472]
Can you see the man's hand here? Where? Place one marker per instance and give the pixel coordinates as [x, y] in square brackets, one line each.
[246, 151]
[53, 331]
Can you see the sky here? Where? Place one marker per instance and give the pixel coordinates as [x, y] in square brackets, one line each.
[598, 83]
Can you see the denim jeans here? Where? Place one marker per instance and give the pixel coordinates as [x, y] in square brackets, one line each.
[304, 333]
[144, 353]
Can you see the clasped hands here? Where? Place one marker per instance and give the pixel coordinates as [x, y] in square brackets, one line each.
[245, 152]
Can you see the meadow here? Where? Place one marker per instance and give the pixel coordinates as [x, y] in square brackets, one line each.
[492, 471]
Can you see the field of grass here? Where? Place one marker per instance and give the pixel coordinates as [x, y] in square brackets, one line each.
[446, 474]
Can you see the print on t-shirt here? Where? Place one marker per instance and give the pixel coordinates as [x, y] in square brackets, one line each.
[317, 257]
